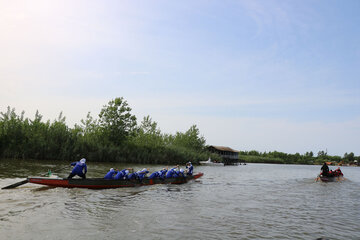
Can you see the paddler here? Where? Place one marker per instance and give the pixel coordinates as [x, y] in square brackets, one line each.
[158, 174]
[110, 174]
[180, 173]
[122, 174]
[172, 172]
[79, 169]
[162, 173]
[142, 173]
[325, 169]
[189, 168]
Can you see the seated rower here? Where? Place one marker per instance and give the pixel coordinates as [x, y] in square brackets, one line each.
[158, 174]
[154, 175]
[172, 172]
[189, 168]
[110, 174]
[142, 173]
[131, 175]
[128, 172]
[338, 173]
[122, 174]
[180, 173]
[162, 173]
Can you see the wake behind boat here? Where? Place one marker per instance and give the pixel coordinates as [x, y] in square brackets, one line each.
[101, 183]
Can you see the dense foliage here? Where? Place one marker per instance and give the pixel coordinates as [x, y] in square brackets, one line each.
[114, 136]
[285, 158]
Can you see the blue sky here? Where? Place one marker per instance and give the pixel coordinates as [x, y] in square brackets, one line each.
[252, 75]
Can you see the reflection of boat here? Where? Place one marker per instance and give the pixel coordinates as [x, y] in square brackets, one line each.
[209, 162]
[100, 183]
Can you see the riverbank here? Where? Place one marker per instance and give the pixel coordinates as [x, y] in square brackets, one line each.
[306, 159]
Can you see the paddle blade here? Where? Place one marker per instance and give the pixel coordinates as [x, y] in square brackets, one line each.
[16, 184]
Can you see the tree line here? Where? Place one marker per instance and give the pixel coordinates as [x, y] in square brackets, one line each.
[115, 136]
[297, 158]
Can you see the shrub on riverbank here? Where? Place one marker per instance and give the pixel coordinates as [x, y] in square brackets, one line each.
[114, 137]
[258, 159]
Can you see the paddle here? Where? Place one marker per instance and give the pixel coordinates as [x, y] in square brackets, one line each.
[26, 181]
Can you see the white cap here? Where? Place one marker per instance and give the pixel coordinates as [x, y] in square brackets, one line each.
[111, 169]
[83, 160]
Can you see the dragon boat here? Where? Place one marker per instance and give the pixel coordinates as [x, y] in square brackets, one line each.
[100, 183]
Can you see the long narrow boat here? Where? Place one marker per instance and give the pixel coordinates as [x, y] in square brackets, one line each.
[100, 183]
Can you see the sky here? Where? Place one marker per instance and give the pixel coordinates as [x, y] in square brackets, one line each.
[251, 75]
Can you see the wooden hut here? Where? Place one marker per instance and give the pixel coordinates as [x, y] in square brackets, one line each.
[229, 155]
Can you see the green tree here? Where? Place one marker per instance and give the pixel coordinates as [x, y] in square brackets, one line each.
[148, 133]
[309, 154]
[322, 154]
[36, 137]
[12, 131]
[191, 139]
[116, 121]
[349, 157]
[88, 125]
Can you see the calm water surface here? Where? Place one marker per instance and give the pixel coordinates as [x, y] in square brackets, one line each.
[254, 201]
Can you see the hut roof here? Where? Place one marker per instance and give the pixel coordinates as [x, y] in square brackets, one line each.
[222, 148]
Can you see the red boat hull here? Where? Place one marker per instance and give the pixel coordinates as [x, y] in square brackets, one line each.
[100, 183]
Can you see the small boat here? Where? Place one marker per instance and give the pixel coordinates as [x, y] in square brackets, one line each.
[209, 162]
[330, 178]
[100, 183]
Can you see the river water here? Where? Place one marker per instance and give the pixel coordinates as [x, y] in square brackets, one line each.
[254, 201]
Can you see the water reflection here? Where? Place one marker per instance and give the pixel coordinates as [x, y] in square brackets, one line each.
[39, 189]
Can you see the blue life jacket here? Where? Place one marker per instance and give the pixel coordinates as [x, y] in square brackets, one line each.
[120, 174]
[132, 176]
[141, 174]
[162, 173]
[180, 173]
[171, 173]
[110, 174]
[190, 170]
[78, 169]
[126, 174]
[154, 175]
